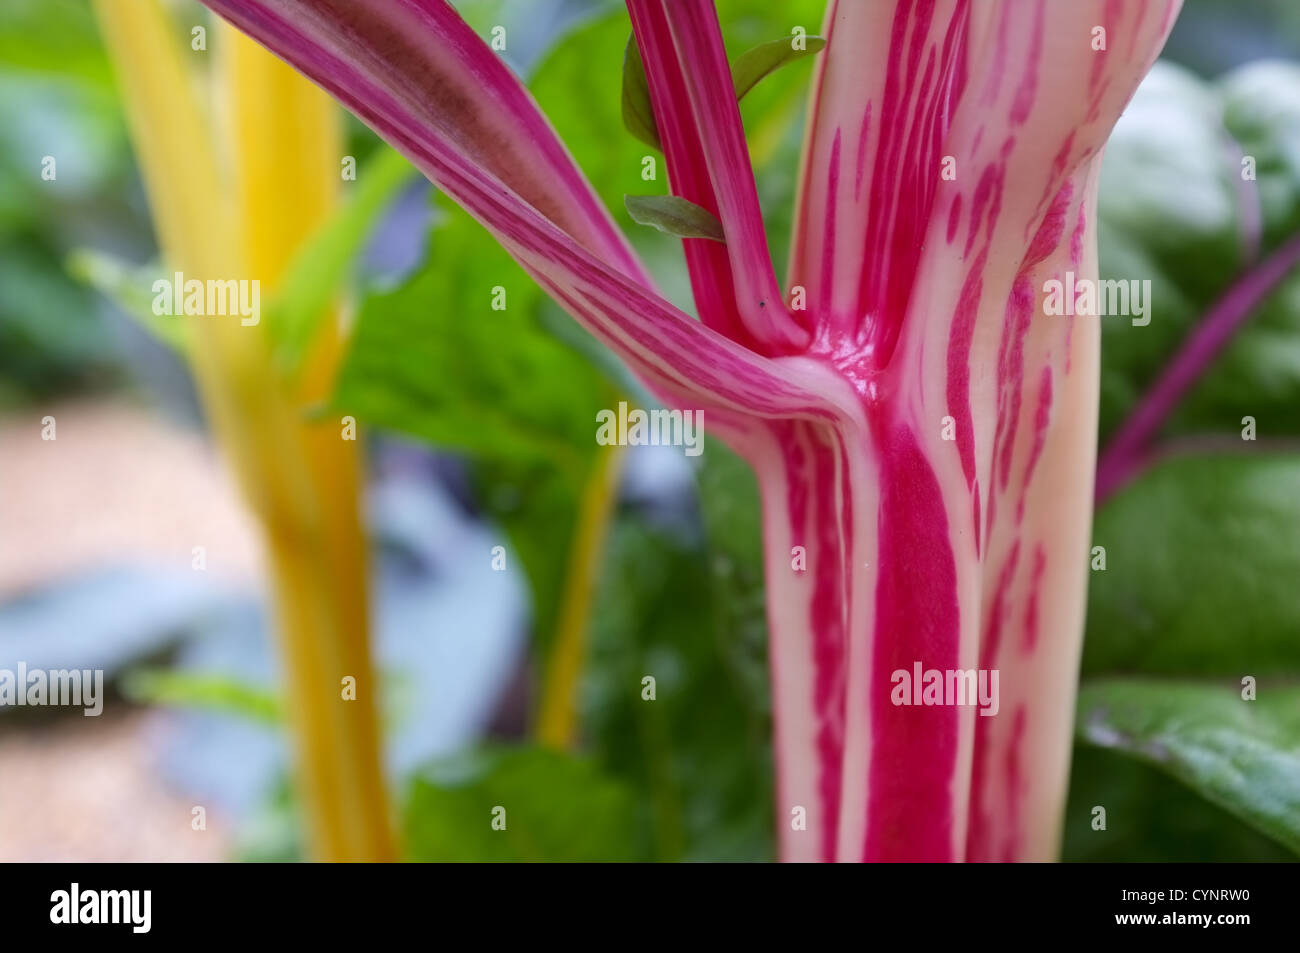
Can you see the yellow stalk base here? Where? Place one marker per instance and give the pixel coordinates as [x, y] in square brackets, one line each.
[301, 479]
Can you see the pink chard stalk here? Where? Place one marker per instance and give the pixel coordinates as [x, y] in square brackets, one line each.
[923, 433]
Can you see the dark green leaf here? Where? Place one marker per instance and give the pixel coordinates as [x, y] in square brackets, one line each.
[732, 513]
[435, 359]
[1151, 817]
[750, 67]
[1241, 755]
[686, 609]
[638, 114]
[1201, 570]
[556, 809]
[675, 216]
[52, 338]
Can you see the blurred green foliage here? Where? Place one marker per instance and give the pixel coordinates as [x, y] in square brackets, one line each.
[202, 691]
[686, 608]
[1201, 570]
[56, 100]
[519, 804]
[433, 359]
[1202, 555]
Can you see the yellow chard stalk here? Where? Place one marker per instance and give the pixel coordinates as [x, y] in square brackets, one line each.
[557, 715]
[245, 220]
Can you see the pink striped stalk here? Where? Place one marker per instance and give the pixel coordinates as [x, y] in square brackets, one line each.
[924, 436]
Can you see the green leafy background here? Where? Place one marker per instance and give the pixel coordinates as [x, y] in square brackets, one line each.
[1199, 591]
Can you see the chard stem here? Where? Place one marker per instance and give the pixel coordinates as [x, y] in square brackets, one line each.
[557, 720]
[299, 478]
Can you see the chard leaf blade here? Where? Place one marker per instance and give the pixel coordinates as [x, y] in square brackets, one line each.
[749, 68]
[675, 216]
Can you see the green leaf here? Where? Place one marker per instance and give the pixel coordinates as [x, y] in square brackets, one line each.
[747, 70]
[1151, 818]
[203, 691]
[753, 65]
[1201, 567]
[436, 359]
[312, 281]
[638, 113]
[131, 289]
[675, 216]
[433, 359]
[555, 808]
[1241, 755]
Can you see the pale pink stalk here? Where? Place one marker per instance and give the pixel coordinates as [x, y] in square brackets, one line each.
[923, 433]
